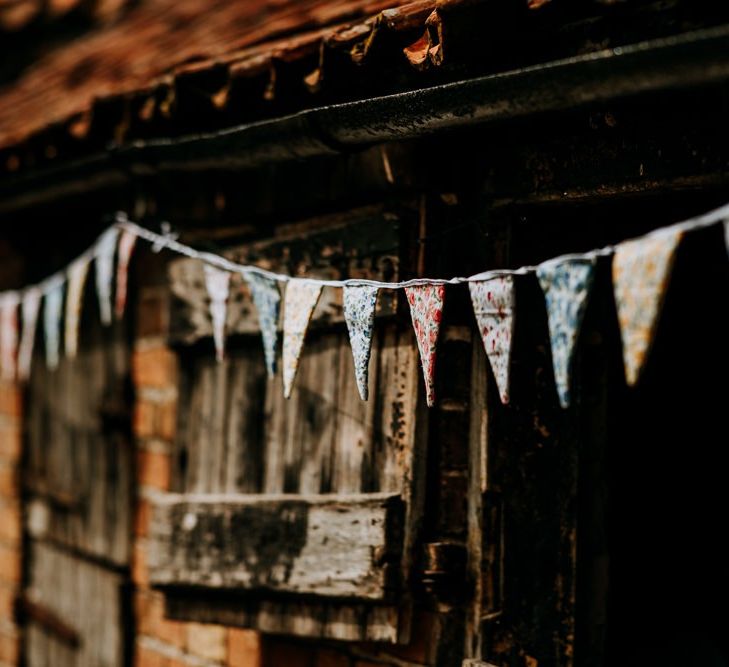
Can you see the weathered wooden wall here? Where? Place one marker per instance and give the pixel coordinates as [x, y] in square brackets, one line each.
[79, 494]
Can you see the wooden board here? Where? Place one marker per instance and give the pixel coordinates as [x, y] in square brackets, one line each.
[86, 598]
[366, 244]
[322, 545]
[79, 455]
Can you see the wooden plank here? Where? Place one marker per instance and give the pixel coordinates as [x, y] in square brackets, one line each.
[320, 545]
[79, 455]
[82, 599]
[321, 619]
[364, 245]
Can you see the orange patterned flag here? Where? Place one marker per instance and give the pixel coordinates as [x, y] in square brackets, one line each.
[299, 303]
[641, 272]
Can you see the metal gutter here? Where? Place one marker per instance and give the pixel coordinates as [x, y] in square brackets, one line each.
[682, 61]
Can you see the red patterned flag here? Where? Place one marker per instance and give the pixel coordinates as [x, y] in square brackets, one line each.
[426, 310]
[493, 306]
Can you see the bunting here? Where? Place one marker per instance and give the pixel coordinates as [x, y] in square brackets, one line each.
[300, 300]
[267, 299]
[217, 282]
[566, 284]
[493, 306]
[359, 314]
[74, 299]
[104, 260]
[8, 334]
[52, 320]
[426, 311]
[641, 272]
[127, 240]
[30, 307]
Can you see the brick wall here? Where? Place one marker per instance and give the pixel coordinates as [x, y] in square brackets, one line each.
[10, 526]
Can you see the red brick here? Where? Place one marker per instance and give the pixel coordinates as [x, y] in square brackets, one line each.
[207, 641]
[8, 481]
[140, 570]
[10, 440]
[146, 657]
[153, 469]
[244, 648]
[155, 420]
[10, 399]
[330, 658]
[9, 646]
[154, 367]
[10, 529]
[142, 515]
[7, 602]
[149, 612]
[9, 564]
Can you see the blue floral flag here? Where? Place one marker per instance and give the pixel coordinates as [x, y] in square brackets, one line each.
[267, 300]
[359, 314]
[53, 298]
[104, 260]
[301, 299]
[566, 284]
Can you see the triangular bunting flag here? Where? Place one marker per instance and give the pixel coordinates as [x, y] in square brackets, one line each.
[74, 298]
[426, 311]
[104, 255]
[641, 271]
[267, 300]
[52, 320]
[217, 282]
[359, 314]
[126, 244]
[493, 306]
[566, 284]
[8, 334]
[300, 301]
[30, 307]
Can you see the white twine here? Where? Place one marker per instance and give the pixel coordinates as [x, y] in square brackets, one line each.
[168, 240]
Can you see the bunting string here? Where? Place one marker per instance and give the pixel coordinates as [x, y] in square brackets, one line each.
[641, 269]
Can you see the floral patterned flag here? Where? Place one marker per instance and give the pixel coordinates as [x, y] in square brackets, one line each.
[104, 257]
[267, 300]
[74, 298]
[426, 310]
[300, 301]
[217, 282]
[641, 270]
[30, 308]
[8, 334]
[52, 320]
[126, 244]
[566, 284]
[359, 314]
[493, 306]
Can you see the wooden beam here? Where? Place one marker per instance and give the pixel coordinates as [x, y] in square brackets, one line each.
[339, 546]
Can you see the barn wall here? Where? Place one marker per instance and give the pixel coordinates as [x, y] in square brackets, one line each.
[160, 642]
